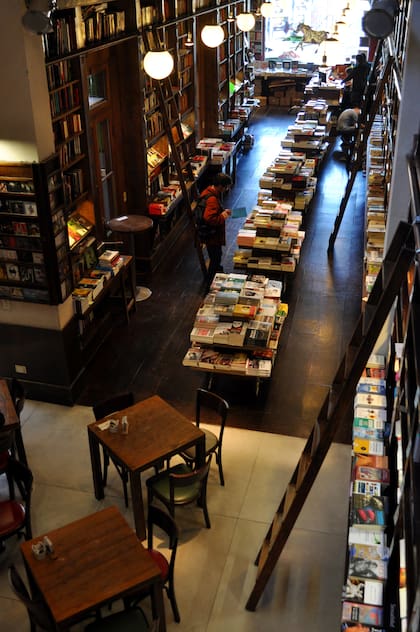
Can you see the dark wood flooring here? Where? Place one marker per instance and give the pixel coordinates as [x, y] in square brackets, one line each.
[324, 300]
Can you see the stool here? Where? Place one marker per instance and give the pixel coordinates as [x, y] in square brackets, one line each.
[133, 224]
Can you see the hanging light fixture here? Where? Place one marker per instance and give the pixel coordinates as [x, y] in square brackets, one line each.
[37, 18]
[158, 64]
[189, 41]
[267, 9]
[212, 35]
[245, 21]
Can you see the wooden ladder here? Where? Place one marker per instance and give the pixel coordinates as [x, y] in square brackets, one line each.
[171, 119]
[364, 130]
[341, 395]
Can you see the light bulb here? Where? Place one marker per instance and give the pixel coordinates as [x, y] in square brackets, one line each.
[212, 35]
[267, 9]
[158, 64]
[245, 21]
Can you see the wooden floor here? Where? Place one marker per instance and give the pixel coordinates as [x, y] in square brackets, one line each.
[324, 300]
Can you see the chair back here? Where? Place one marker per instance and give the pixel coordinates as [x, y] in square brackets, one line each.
[37, 610]
[159, 518]
[207, 401]
[112, 405]
[21, 477]
[17, 393]
[196, 480]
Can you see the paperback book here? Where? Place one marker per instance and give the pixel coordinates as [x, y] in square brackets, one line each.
[363, 614]
[368, 511]
[367, 591]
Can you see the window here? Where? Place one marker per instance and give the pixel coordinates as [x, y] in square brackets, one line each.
[322, 21]
[97, 92]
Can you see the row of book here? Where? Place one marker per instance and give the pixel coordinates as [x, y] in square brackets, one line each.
[238, 326]
[368, 553]
[91, 285]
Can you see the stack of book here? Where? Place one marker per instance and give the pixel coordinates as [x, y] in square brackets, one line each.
[368, 554]
[237, 328]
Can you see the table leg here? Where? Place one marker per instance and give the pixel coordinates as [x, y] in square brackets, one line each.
[138, 506]
[95, 460]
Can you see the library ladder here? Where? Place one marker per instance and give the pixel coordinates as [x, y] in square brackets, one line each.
[373, 98]
[336, 404]
[179, 149]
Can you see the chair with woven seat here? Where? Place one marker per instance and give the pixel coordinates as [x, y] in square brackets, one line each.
[207, 405]
[180, 485]
[156, 517]
[103, 409]
[15, 513]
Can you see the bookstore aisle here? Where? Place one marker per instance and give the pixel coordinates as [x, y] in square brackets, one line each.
[323, 298]
[215, 568]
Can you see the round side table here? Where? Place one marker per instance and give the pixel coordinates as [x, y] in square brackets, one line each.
[133, 224]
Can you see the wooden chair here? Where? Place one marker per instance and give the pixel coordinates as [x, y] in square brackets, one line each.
[6, 446]
[15, 514]
[207, 403]
[180, 485]
[101, 410]
[18, 395]
[161, 519]
[38, 613]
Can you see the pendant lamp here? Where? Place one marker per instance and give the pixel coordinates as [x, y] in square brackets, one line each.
[267, 9]
[212, 35]
[245, 21]
[158, 64]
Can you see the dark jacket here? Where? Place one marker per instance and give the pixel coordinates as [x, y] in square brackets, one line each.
[213, 216]
[358, 75]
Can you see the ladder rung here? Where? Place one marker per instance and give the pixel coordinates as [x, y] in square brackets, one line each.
[303, 466]
[276, 526]
[290, 496]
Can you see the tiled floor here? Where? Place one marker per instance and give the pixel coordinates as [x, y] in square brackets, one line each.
[215, 572]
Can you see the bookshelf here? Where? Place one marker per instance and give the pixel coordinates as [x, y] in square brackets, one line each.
[34, 255]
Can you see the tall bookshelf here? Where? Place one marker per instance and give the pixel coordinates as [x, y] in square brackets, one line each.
[34, 253]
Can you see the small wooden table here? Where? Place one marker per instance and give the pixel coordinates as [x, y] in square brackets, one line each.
[11, 420]
[156, 432]
[97, 560]
[133, 224]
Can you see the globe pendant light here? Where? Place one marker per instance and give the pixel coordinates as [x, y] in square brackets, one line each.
[245, 21]
[212, 35]
[267, 9]
[158, 64]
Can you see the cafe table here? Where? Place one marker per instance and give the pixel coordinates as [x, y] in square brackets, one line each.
[156, 432]
[11, 420]
[96, 560]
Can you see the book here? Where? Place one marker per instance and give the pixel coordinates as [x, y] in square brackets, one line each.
[371, 385]
[362, 613]
[202, 334]
[374, 474]
[371, 538]
[368, 561]
[368, 433]
[370, 400]
[244, 312]
[368, 511]
[361, 590]
[368, 446]
[192, 357]
[370, 413]
[371, 460]
[373, 488]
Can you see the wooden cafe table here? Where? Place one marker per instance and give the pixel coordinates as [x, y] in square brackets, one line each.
[156, 432]
[96, 560]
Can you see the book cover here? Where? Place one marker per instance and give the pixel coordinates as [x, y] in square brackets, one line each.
[370, 400]
[370, 538]
[368, 511]
[368, 433]
[362, 613]
[370, 424]
[368, 446]
[370, 413]
[367, 591]
[371, 460]
[374, 386]
[374, 474]
[373, 488]
[192, 357]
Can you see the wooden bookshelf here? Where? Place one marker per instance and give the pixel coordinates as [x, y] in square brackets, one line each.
[34, 255]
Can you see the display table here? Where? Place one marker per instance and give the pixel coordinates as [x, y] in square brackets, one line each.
[133, 224]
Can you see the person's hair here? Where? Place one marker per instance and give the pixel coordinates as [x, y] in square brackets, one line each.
[360, 58]
[222, 179]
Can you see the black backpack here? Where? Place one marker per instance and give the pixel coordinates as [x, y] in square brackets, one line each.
[204, 230]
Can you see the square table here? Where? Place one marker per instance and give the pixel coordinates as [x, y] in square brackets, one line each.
[156, 432]
[96, 560]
